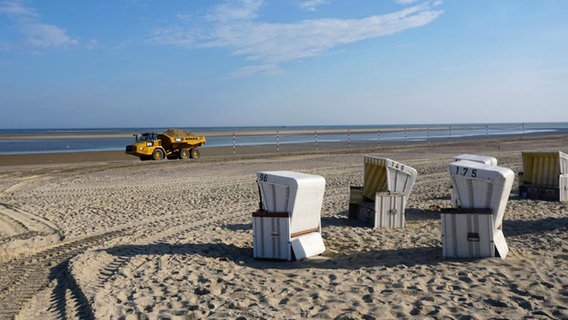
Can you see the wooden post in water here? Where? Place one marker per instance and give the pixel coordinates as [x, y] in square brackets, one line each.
[348, 139]
[378, 138]
[277, 141]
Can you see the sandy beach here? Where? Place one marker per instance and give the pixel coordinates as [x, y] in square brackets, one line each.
[106, 236]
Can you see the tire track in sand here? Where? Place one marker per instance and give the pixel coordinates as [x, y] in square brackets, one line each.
[64, 298]
[28, 276]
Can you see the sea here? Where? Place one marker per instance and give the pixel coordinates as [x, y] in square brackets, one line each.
[30, 141]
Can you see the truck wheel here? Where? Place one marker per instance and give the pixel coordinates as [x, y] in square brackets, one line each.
[194, 154]
[184, 154]
[158, 154]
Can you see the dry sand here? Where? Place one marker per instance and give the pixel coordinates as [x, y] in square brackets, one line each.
[118, 238]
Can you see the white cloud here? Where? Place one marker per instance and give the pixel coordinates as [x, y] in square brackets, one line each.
[15, 8]
[37, 34]
[175, 35]
[269, 45]
[242, 10]
[405, 1]
[312, 5]
[46, 35]
[248, 71]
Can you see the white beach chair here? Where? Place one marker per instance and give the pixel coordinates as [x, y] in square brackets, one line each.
[476, 158]
[288, 224]
[386, 187]
[474, 228]
[544, 176]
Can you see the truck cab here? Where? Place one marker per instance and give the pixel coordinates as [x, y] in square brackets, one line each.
[147, 136]
[147, 147]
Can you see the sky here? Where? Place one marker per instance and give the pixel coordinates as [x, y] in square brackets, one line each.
[200, 63]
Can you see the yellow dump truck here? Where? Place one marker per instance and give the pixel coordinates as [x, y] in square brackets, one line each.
[171, 144]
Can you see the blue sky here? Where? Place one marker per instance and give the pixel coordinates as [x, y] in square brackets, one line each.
[142, 63]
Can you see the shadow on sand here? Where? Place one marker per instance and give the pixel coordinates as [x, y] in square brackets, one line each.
[244, 256]
[378, 258]
[521, 227]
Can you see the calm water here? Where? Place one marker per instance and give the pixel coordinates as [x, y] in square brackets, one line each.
[50, 142]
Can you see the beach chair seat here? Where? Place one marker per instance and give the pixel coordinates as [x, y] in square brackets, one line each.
[381, 201]
[473, 229]
[544, 176]
[287, 225]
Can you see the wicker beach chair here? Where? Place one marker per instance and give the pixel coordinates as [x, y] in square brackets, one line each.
[381, 200]
[544, 176]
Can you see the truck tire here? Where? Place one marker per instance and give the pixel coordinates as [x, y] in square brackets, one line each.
[194, 154]
[184, 154]
[158, 154]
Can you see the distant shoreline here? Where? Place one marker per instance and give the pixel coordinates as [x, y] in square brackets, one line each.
[263, 151]
[38, 134]
[223, 133]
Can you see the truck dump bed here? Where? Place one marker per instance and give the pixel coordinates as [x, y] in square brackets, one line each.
[181, 138]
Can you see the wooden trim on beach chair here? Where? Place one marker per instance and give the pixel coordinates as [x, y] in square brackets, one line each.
[265, 214]
[301, 233]
[467, 210]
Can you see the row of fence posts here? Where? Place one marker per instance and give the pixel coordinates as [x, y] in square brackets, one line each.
[316, 145]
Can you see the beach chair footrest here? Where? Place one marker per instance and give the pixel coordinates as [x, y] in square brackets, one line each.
[386, 212]
[471, 235]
